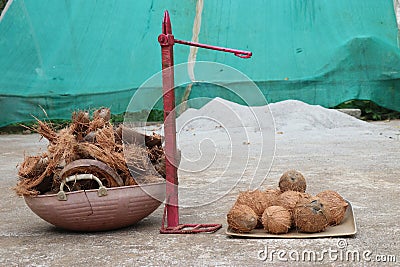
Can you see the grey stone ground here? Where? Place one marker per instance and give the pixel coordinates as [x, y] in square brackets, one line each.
[365, 169]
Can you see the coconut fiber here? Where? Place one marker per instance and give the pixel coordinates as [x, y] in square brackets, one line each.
[96, 139]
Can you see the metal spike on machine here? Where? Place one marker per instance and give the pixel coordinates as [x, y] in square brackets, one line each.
[171, 211]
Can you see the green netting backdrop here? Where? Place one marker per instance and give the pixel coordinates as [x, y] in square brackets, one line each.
[67, 55]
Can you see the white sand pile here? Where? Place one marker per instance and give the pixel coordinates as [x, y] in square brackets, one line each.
[288, 116]
[220, 112]
[293, 115]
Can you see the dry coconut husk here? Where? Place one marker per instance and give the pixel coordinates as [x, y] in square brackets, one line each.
[105, 139]
[64, 149]
[292, 180]
[46, 131]
[97, 123]
[276, 220]
[242, 218]
[157, 158]
[138, 160]
[114, 159]
[33, 166]
[85, 138]
[311, 215]
[61, 151]
[160, 166]
[103, 113]
[336, 205]
[34, 175]
[80, 124]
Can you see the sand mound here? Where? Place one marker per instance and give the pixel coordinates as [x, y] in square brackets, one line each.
[296, 115]
[287, 116]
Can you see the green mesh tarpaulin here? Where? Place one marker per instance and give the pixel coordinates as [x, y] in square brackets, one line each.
[66, 55]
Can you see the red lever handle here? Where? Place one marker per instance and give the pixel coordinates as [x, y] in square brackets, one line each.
[243, 55]
[238, 53]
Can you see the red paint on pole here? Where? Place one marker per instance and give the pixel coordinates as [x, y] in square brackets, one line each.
[166, 40]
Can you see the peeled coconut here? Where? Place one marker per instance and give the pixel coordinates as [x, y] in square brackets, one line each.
[311, 215]
[276, 220]
[255, 199]
[241, 218]
[336, 205]
[292, 180]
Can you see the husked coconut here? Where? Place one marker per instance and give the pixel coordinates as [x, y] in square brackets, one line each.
[336, 204]
[292, 180]
[241, 218]
[276, 220]
[311, 216]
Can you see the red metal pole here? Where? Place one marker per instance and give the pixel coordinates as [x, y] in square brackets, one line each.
[166, 40]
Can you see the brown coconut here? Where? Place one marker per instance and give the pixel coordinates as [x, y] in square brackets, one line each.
[241, 218]
[336, 205]
[311, 215]
[271, 197]
[276, 220]
[292, 180]
[254, 199]
[290, 199]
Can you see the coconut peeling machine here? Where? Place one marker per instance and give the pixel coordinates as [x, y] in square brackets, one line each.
[171, 211]
[122, 205]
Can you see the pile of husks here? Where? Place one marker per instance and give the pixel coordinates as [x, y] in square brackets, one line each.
[90, 144]
[289, 207]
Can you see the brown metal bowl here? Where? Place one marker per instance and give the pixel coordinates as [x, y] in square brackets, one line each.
[98, 209]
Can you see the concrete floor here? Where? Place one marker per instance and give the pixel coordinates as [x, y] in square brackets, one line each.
[364, 167]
